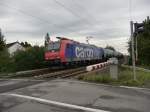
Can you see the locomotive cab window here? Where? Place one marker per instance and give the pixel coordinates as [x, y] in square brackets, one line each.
[54, 46]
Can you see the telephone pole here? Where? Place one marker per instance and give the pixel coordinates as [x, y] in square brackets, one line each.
[133, 52]
[136, 44]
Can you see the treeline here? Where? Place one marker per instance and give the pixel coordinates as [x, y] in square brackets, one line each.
[31, 58]
[143, 41]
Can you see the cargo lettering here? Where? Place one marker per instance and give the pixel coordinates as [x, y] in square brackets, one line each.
[83, 52]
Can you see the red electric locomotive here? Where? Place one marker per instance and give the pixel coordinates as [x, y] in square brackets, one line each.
[55, 51]
[66, 51]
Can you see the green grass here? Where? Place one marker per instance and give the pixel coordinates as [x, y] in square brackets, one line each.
[125, 78]
[144, 66]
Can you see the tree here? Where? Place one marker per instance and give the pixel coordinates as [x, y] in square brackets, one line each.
[4, 55]
[25, 44]
[2, 41]
[143, 40]
[5, 61]
[31, 58]
[110, 47]
[47, 39]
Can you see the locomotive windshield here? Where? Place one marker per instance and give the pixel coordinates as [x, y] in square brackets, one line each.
[53, 46]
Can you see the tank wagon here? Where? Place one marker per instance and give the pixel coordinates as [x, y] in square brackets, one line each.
[66, 51]
[110, 53]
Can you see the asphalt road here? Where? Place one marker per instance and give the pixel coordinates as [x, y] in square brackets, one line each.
[70, 96]
[7, 85]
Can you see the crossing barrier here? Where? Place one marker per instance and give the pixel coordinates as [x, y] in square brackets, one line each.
[98, 66]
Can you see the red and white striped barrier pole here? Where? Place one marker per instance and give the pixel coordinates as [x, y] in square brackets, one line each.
[98, 66]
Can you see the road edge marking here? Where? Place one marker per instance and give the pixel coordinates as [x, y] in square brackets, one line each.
[56, 103]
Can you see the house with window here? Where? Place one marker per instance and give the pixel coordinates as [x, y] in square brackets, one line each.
[13, 47]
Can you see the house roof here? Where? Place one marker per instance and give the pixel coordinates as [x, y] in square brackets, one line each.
[10, 44]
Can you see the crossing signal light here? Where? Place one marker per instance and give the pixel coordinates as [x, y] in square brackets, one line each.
[138, 27]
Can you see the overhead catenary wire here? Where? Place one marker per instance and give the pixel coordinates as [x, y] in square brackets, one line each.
[47, 23]
[23, 12]
[74, 13]
[87, 12]
[71, 11]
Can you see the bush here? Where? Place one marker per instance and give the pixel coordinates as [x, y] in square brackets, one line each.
[32, 58]
[5, 61]
[98, 78]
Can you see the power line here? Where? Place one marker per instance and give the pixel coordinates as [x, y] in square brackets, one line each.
[70, 10]
[45, 21]
[88, 14]
[23, 12]
[30, 15]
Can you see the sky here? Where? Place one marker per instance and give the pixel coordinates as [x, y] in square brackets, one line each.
[107, 21]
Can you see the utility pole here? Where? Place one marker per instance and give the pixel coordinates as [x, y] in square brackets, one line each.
[136, 44]
[133, 53]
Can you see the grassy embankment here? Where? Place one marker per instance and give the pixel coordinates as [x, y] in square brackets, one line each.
[125, 78]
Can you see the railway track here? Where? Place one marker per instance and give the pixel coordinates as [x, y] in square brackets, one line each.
[32, 73]
[48, 73]
[62, 73]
